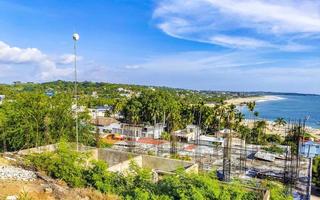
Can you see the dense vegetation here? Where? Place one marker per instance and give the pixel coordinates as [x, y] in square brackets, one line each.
[34, 119]
[71, 166]
[29, 117]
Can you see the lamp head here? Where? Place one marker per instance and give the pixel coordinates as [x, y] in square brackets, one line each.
[75, 36]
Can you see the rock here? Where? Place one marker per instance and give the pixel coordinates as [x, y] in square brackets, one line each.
[48, 190]
[15, 173]
[13, 197]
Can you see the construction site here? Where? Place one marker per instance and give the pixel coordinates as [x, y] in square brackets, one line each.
[232, 157]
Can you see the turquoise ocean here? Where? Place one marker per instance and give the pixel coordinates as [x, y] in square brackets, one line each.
[290, 107]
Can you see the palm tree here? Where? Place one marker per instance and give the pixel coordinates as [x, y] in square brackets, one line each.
[251, 106]
[280, 121]
[256, 113]
[219, 113]
[261, 127]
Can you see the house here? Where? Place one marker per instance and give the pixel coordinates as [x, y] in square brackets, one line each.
[124, 92]
[139, 131]
[105, 124]
[153, 131]
[222, 133]
[188, 134]
[2, 98]
[99, 111]
[211, 141]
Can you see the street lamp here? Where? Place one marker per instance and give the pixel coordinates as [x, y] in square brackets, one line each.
[76, 37]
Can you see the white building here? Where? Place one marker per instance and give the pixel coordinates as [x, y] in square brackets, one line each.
[99, 111]
[139, 131]
[188, 134]
[211, 141]
[105, 124]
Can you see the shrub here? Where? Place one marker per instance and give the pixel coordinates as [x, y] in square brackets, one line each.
[64, 163]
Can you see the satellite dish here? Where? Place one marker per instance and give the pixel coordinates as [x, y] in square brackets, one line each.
[75, 36]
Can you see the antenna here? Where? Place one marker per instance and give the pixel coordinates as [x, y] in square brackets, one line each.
[76, 37]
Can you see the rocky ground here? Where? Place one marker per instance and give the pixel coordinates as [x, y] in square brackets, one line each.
[15, 173]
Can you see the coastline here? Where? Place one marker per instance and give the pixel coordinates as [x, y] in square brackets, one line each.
[271, 129]
[238, 101]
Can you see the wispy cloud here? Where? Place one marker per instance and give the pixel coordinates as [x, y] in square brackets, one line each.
[67, 59]
[242, 24]
[132, 67]
[47, 67]
[236, 70]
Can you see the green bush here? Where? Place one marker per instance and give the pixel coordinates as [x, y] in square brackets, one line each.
[274, 138]
[316, 171]
[65, 164]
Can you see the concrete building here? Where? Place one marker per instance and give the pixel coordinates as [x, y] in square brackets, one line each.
[222, 133]
[139, 131]
[105, 124]
[98, 111]
[188, 134]
[211, 141]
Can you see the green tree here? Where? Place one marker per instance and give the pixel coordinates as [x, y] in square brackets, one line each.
[280, 121]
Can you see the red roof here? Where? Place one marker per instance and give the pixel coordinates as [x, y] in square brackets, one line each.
[190, 147]
[150, 141]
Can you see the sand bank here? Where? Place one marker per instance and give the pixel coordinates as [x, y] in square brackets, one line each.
[238, 101]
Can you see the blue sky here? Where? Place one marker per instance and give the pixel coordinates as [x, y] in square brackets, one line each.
[246, 45]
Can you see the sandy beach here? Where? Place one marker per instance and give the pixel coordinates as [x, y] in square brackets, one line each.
[238, 101]
[272, 129]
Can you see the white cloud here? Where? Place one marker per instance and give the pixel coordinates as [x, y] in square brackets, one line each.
[18, 55]
[47, 68]
[67, 59]
[193, 62]
[245, 23]
[132, 67]
[239, 42]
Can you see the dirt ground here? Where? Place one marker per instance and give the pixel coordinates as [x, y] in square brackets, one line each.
[32, 189]
[35, 191]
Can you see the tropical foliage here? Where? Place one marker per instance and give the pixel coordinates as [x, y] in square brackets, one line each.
[34, 119]
[138, 183]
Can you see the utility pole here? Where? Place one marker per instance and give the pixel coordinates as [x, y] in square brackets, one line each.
[76, 37]
[309, 179]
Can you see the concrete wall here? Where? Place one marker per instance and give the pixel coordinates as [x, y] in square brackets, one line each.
[40, 149]
[124, 166]
[113, 157]
[164, 164]
[120, 161]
